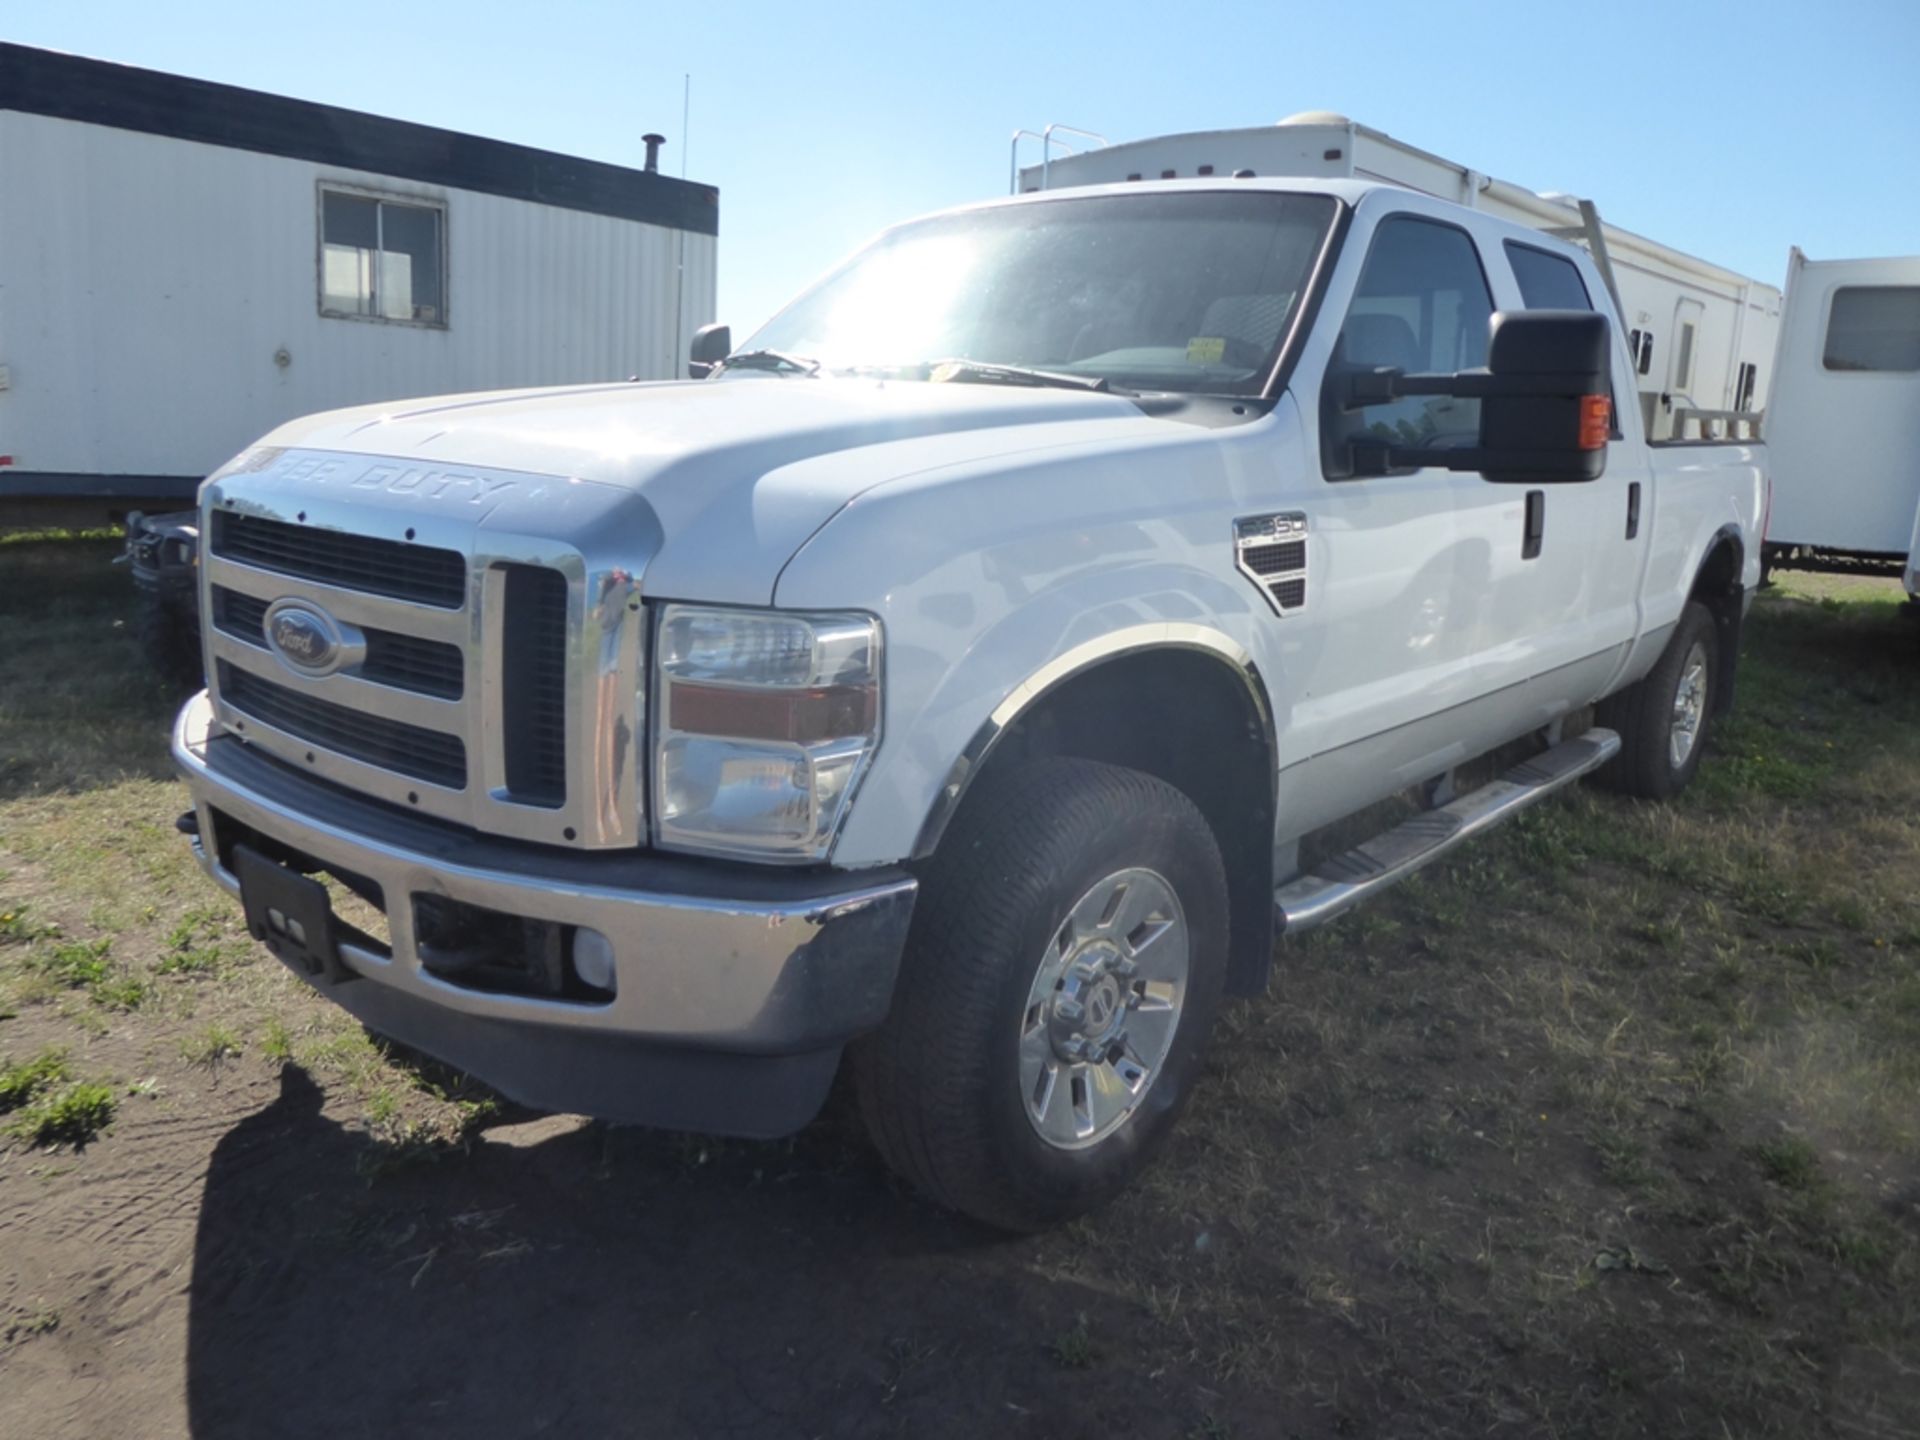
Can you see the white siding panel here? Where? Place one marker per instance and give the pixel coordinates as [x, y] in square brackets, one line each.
[146, 285]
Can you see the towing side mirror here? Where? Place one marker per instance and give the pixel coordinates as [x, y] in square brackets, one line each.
[711, 345]
[1545, 410]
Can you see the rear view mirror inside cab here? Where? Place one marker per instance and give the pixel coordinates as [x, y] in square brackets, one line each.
[1544, 408]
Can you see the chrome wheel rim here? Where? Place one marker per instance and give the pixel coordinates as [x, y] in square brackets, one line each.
[1689, 706]
[1101, 1013]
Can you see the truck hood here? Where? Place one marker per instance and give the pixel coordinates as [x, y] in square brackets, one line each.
[726, 478]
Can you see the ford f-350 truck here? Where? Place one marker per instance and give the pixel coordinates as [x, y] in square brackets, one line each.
[948, 680]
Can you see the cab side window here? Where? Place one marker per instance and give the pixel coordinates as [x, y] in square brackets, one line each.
[1552, 282]
[1422, 306]
[1547, 281]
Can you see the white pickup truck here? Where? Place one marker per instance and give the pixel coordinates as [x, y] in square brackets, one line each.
[949, 678]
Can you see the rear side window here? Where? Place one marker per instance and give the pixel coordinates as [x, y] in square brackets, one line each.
[1874, 327]
[1552, 282]
[1547, 281]
[1423, 305]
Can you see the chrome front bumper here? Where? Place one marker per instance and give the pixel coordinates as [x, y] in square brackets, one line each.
[736, 987]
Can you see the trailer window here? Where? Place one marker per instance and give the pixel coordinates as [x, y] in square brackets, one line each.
[1874, 327]
[1422, 305]
[382, 259]
[1746, 385]
[1683, 363]
[1640, 347]
[1547, 281]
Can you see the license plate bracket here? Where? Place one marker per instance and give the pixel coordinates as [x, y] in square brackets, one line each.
[291, 914]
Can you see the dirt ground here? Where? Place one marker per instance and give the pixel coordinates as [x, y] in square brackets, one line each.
[1610, 1126]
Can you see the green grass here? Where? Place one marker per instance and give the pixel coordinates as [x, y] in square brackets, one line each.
[20, 1083]
[72, 1115]
[1073, 1348]
[210, 1045]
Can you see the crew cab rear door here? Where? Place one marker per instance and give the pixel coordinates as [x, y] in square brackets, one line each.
[1566, 600]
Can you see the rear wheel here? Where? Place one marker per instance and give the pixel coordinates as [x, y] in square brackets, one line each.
[1664, 717]
[1065, 966]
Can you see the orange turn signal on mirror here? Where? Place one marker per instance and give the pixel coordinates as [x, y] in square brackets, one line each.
[1596, 421]
[802, 716]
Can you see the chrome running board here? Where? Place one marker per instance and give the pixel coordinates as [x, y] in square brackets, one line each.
[1342, 881]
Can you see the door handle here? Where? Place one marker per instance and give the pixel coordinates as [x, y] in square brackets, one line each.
[1633, 510]
[1536, 524]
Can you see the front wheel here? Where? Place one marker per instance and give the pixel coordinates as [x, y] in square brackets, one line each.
[1066, 962]
[1663, 718]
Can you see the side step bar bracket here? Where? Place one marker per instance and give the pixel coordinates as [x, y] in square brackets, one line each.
[1340, 882]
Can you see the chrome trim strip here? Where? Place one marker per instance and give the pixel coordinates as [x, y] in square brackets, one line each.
[1133, 639]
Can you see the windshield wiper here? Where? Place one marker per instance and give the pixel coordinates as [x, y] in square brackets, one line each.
[778, 360]
[981, 372]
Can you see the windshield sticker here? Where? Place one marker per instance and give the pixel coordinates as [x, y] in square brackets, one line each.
[1206, 350]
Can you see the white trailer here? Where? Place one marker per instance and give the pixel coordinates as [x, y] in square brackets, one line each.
[1702, 336]
[184, 266]
[1844, 424]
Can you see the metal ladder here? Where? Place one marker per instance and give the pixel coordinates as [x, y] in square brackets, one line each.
[1047, 142]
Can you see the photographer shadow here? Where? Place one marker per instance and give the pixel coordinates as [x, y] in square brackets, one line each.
[557, 1277]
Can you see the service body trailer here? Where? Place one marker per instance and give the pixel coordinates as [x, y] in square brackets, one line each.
[1844, 424]
[1701, 336]
[185, 265]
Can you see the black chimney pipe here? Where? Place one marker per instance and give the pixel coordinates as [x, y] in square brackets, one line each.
[653, 144]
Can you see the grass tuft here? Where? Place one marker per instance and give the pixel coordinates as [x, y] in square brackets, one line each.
[20, 1083]
[1073, 1348]
[73, 1115]
[210, 1045]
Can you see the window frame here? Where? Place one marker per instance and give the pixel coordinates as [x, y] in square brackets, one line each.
[435, 203]
[1328, 440]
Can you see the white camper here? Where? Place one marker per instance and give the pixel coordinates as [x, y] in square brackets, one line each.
[1844, 423]
[1701, 336]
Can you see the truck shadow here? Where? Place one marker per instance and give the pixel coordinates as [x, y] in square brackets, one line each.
[596, 1283]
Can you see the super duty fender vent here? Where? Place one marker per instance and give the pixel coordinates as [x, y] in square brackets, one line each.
[1271, 551]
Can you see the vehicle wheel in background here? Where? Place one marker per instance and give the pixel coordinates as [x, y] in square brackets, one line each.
[169, 634]
[1663, 718]
[1065, 965]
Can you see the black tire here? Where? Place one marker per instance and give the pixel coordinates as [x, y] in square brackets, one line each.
[939, 1083]
[1643, 714]
[169, 637]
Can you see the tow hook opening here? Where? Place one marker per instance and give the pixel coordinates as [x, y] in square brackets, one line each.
[497, 953]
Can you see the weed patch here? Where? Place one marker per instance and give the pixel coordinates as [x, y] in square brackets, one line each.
[72, 1115]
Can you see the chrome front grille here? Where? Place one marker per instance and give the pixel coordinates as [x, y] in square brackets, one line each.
[473, 672]
[406, 662]
[533, 666]
[429, 755]
[394, 568]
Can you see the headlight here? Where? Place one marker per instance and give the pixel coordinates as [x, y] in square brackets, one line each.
[763, 723]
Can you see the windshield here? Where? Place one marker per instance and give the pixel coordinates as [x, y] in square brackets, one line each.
[1188, 291]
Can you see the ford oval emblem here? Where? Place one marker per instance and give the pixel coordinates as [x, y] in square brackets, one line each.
[305, 637]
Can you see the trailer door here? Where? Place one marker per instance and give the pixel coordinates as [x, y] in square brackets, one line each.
[1683, 356]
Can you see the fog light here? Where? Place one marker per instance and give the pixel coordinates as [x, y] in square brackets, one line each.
[593, 958]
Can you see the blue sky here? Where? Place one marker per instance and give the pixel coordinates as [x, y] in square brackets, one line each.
[1732, 131]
